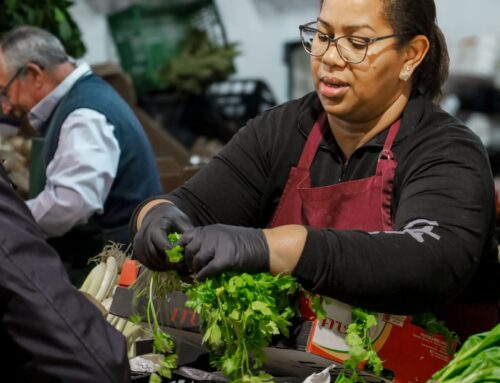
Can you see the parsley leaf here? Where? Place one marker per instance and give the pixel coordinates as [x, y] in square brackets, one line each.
[175, 254]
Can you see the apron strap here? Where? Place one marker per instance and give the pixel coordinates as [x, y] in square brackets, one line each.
[312, 143]
[386, 152]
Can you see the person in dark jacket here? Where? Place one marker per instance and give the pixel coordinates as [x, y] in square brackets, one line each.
[92, 163]
[49, 332]
[365, 190]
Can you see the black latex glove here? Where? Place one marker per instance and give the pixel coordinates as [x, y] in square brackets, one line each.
[210, 250]
[151, 240]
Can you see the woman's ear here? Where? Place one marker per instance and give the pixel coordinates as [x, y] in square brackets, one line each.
[414, 51]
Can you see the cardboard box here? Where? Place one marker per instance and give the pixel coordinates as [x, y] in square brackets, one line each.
[411, 353]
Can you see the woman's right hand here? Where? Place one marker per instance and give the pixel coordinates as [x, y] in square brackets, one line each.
[150, 241]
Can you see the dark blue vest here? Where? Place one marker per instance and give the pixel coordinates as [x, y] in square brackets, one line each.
[137, 177]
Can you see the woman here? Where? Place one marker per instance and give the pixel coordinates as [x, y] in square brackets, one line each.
[364, 190]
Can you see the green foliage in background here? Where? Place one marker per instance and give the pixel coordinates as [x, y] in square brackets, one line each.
[199, 63]
[51, 15]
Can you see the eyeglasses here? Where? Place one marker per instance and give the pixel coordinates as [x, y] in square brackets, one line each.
[4, 93]
[352, 49]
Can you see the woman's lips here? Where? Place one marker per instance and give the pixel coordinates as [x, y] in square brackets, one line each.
[333, 88]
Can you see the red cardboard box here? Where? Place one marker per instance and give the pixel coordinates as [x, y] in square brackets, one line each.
[410, 352]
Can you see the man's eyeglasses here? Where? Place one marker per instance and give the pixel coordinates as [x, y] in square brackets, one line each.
[4, 93]
[352, 49]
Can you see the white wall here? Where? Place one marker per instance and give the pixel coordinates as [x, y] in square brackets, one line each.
[95, 34]
[461, 18]
[263, 26]
[261, 31]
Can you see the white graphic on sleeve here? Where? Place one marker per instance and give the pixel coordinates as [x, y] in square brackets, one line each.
[424, 227]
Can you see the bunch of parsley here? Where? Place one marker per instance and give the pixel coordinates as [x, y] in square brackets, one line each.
[240, 313]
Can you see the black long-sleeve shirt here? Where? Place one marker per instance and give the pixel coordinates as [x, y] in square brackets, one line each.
[49, 332]
[442, 207]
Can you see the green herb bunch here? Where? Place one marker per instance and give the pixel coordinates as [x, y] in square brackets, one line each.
[360, 347]
[155, 286]
[199, 63]
[478, 360]
[240, 313]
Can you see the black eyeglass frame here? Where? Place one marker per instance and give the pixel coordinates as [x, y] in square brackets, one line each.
[4, 93]
[367, 41]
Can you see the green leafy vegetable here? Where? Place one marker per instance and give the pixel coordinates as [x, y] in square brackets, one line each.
[317, 306]
[478, 360]
[240, 313]
[360, 347]
[175, 255]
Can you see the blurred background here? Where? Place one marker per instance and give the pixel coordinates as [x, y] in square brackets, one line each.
[196, 70]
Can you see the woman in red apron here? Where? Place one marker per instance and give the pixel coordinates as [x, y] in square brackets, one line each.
[367, 191]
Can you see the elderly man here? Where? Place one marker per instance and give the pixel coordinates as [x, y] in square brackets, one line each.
[94, 164]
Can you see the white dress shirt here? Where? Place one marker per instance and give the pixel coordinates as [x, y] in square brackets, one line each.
[80, 175]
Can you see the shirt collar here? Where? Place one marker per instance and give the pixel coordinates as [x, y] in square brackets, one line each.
[41, 112]
[409, 120]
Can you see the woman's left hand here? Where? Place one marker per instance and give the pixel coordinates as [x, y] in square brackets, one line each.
[210, 250]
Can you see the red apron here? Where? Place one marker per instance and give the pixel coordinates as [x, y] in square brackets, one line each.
[363, 204]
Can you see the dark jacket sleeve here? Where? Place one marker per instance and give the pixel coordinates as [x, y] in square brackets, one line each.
[49, 332]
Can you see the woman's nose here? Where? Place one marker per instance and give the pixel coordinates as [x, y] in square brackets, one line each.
[332, 56]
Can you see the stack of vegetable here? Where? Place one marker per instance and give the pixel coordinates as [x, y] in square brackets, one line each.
[100, 285]
[478, 360]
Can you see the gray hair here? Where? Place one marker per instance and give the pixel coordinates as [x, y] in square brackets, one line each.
[28, 44]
